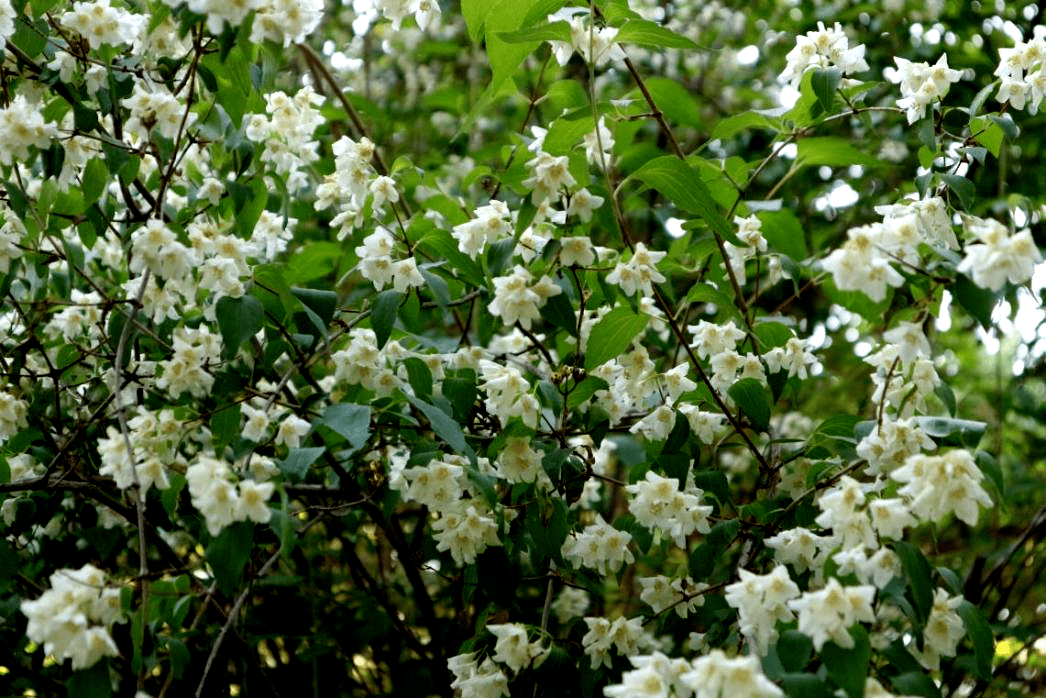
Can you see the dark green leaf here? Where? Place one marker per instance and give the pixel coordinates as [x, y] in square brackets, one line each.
[383, 314]
[962, 187]
[349, 420]
[584, 390]
[794, 650]
[753, 400]
[612, 335]
[559, 312]
[976, 301]
[805, 686]
[93, 682]
[849, 667]
[239, 319]
[965, 432]
[322, 303]
[646, 33]
[681, 183]
[981, 635]
[95, 178]
[419, 375]
[445, 427]
[917, 573]
[784, 233]
[825, 81]
[225, 426]
[228, 555]
[297, 462]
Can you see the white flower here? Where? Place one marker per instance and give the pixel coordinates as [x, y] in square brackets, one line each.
[291, 431]
[941, 485]
[823, 48]
[513, 648]
[600, 546]
[761, 601]
[998, 257]
[639, 272]
[828, 613]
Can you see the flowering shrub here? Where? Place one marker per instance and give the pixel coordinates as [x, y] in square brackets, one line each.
[365, 349]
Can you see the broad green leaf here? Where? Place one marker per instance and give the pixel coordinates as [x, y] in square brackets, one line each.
[794, 650]
[92, 682]
[228, 554]
[849, 667]
[962, 187]
[239, 319]
[95, 178]
[225, 426]
[322, 303]
[559, 312]
[990, 467]
[645, 33]
[800, 685]
[584, 390]
[438, 286]
[565, 134]
[677, 103]
[349, 420]
[917, 573]
[753, 400]
[681, 183]
[978, 302]
[824, 83]
[445, 427]
[461, 391]
[550, 31]
[419, 375]
[612, 335]
[967, 432]
[732, 125]
[383, 314]
[297, 462]
[831, 151]
[784, 233]
[981, 634]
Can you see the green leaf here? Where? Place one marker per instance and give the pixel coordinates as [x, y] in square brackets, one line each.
[419, 375]
[564, 134]
[794, 650]
[225, 426]
[849, 667]
[584, 390]
[677, 102]
[732, 125]
[445, 427]
[95, 177]
[349, 420]
[297, 463]
[383, 314]
[824, 83]
[461, 392]
[753, 400]
[966, 432]
[784, 233]
[559, 312]
[549, 31]
[805, 686]
[976, 301]
[981, 635]
[322, 303]
[93, 682]
[684, 187]
[612, 335]
[439, 288]
[239, 319]
[831, 151]
[962, 187]
[917, 573]
[645, 33]
[228, 554]
[915, 683]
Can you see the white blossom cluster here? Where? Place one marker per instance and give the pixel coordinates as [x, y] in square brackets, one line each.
[221, 499]
[997, 256]
[101, 24]
[599, 546]
[518, 298]
[681, 594]
[287, 129]
[13, 413]
[761, 601]
[23, 125]
[626, 636]
[922, 84]
[639, 272]
[823, 48]
[378, 266]
[938, 485]
[1022, 74]
[658, 503]
[713, 675]
[73, 619]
